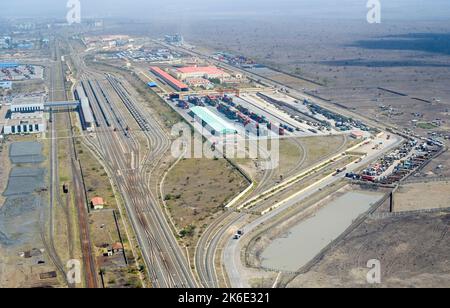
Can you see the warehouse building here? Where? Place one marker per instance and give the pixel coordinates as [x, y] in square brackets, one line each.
[24, 126]
[5, 65]
[357, 135]
[24, 105]
[212, 122]
[208, 72]
[6, 85]
[199, 82]
[174, 83]
[25, 116]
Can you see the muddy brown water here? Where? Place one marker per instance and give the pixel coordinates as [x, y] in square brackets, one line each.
[305, 240]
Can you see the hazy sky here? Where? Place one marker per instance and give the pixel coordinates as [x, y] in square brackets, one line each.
[152, 9]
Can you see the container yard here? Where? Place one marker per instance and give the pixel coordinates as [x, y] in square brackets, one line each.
[152, 55]
[321, 118]
[245, 118]
[20, 72]
[253, 115]
[398, 164]
[237, 60]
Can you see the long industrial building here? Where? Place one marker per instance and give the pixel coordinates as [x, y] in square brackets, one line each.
[173, 82]
[86, 116]
[208, 72]
[5, 84]
[215, 123]
[25, 116]
[4, 65]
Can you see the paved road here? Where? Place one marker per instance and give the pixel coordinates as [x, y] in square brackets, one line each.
[206, 251]
[231, 254]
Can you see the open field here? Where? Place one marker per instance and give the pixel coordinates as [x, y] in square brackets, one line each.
[24, 252]
[197, 189]
[351, 63]
[413, 251]
[95, 178]
[119, 269]
[411, 197]
[28, 87]
[438, 167]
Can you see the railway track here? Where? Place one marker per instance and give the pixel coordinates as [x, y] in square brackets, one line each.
[90, 272]
[161, 140]
[206, 251]
[56, 92]
[132, 108]
[166, 264]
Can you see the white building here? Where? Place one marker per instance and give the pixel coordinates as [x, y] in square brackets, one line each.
[86, 115]
[25, 116]
[208, 72]
[31, 104]
[5, 85]
[26, 126]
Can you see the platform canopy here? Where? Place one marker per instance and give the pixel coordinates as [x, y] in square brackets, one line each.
[214, 121]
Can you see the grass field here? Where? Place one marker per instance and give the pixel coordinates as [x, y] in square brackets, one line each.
[426, 125]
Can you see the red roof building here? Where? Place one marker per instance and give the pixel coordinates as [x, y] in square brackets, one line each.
[97, 203]
[173, 82]
[201, 72]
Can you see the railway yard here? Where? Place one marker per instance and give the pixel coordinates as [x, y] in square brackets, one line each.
[166, 166]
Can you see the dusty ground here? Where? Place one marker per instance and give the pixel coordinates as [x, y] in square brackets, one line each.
[117, 273]
[96, 179]
[4, 170]
[420, 196]
[16, 269]
[439, 167]
[195, 189]
[413, 251]
[350, 60]
[32, 86]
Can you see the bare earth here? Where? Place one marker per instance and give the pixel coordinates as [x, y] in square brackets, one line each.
[413, 251]
[411, 197]
[196, 189]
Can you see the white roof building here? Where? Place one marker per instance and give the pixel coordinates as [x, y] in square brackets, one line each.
[25, 116]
